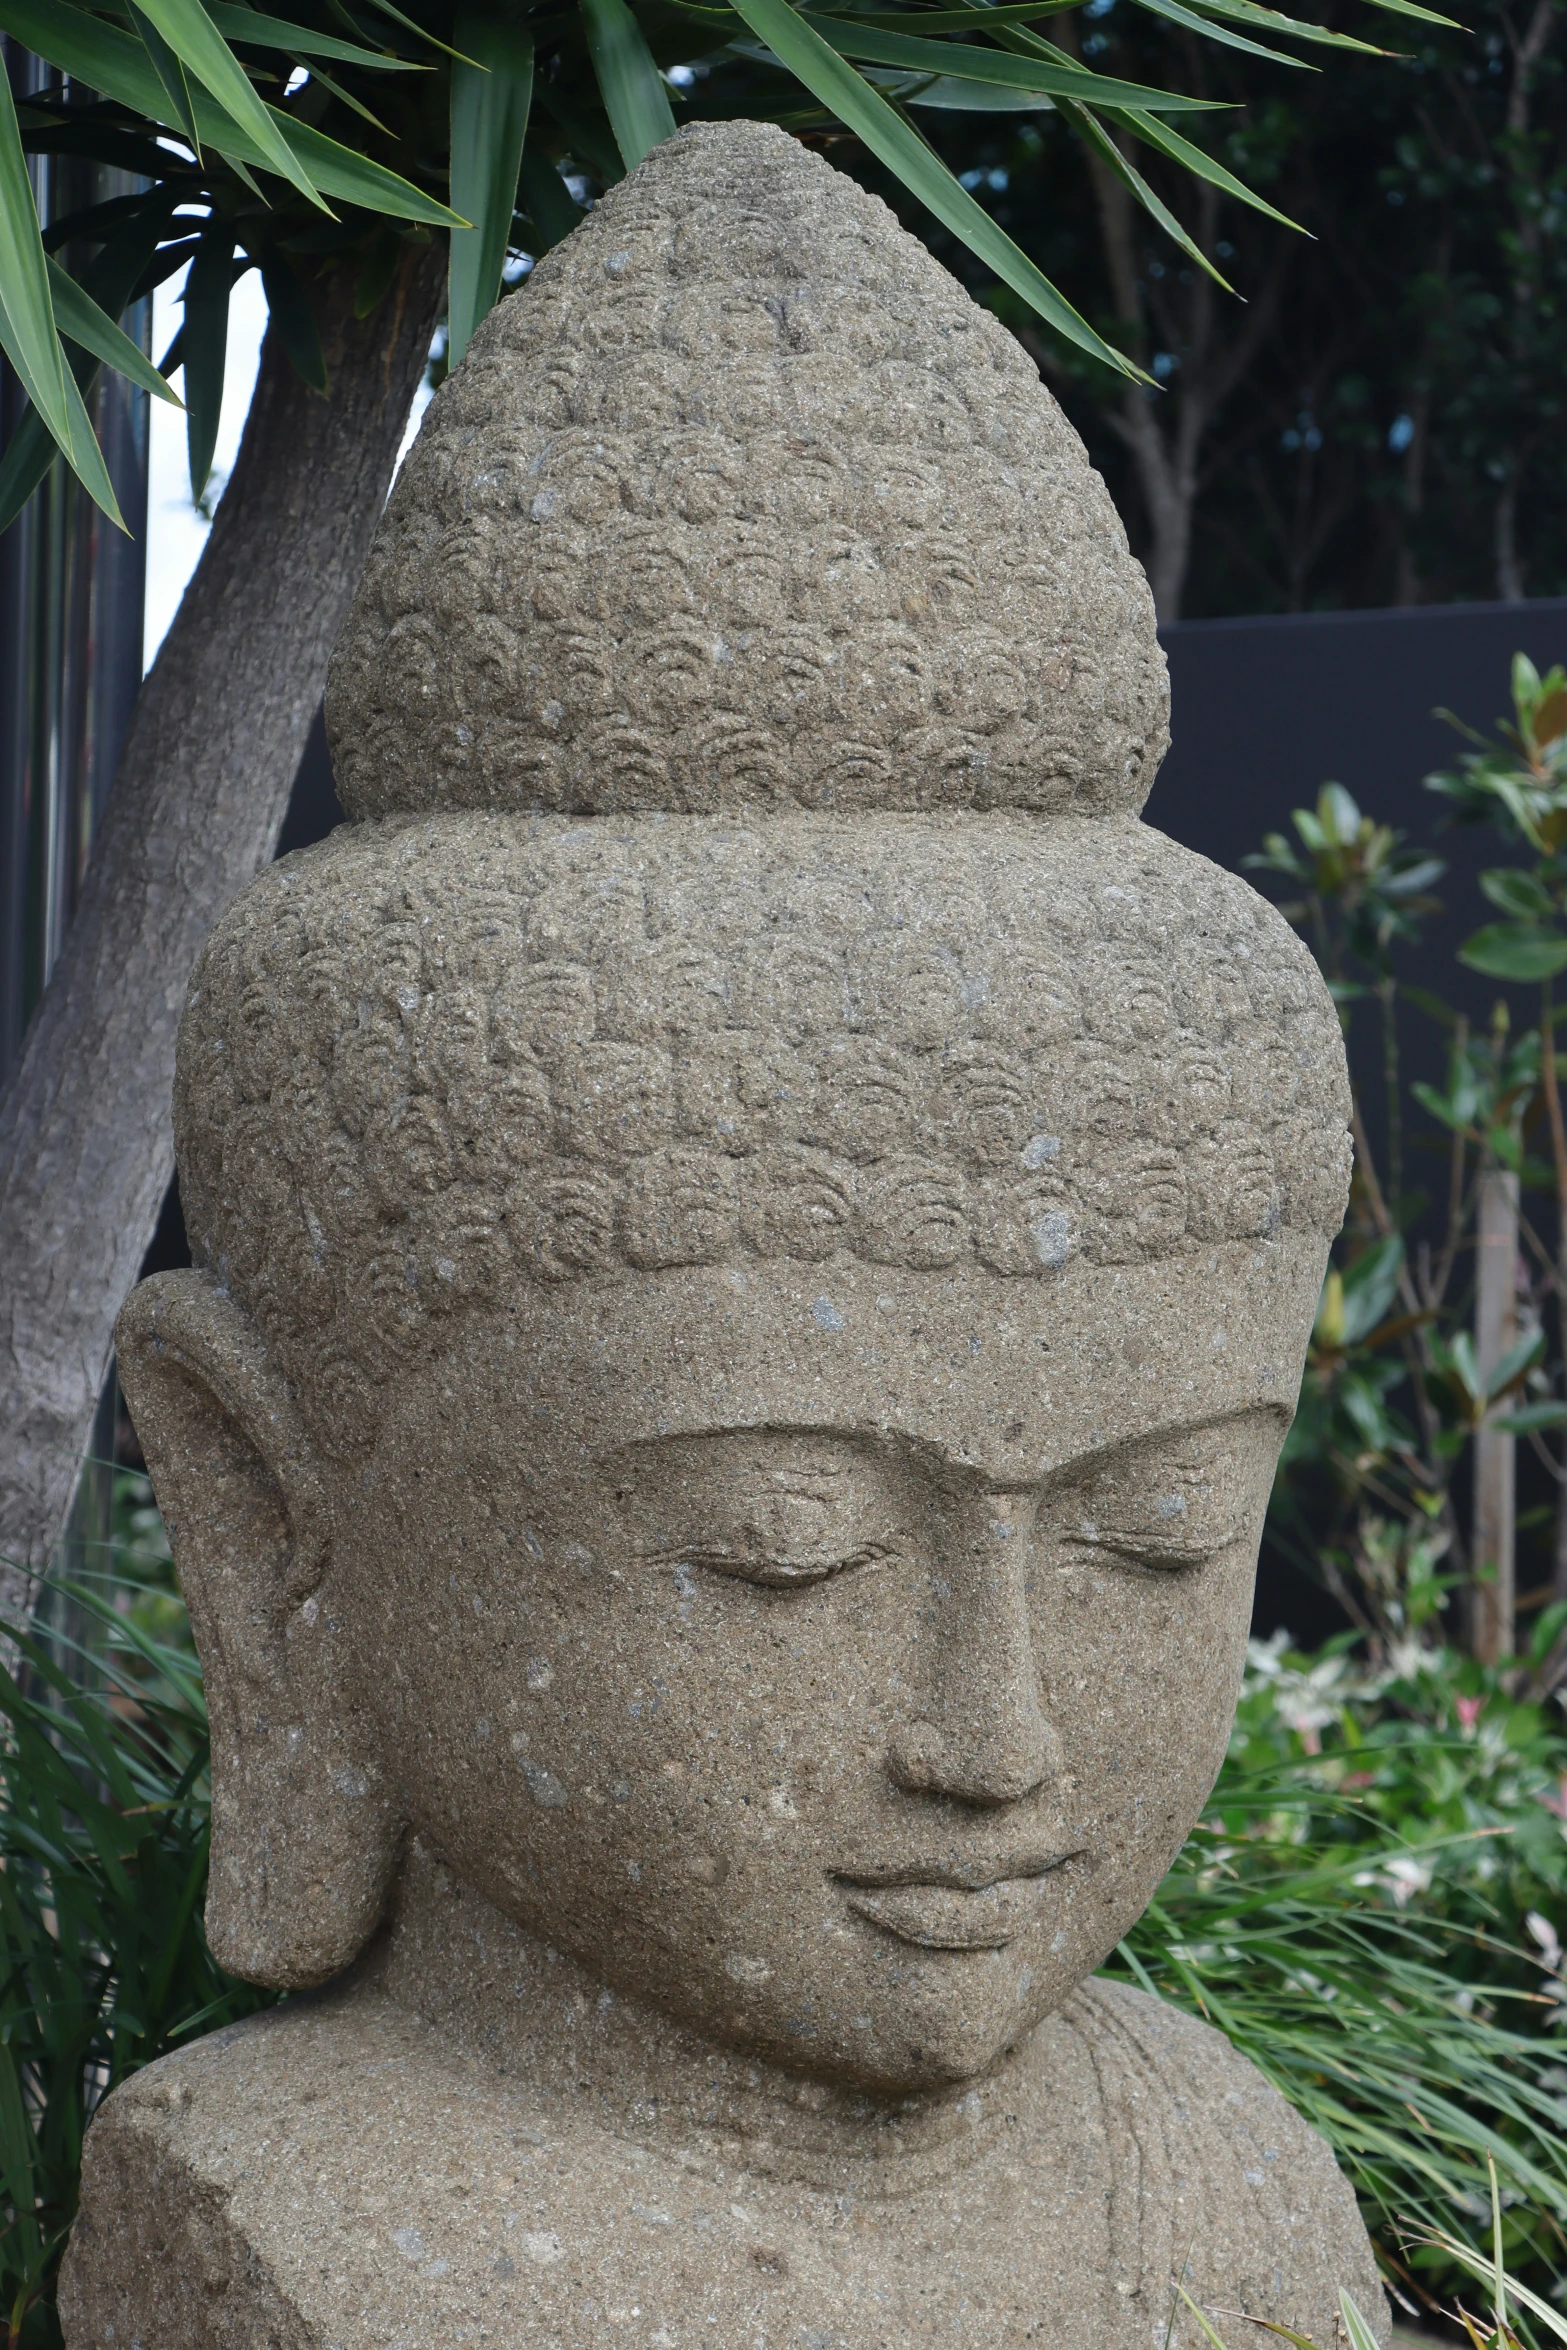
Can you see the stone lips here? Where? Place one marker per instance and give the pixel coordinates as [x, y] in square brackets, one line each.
[742, 501]
[422, 1063]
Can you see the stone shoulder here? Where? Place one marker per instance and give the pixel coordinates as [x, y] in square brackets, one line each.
[1212, 2165]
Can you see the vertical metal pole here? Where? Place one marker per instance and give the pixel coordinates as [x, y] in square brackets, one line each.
[1496, 1329]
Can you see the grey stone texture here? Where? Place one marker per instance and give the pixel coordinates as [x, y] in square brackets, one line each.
[747, 1302]
[746, 504]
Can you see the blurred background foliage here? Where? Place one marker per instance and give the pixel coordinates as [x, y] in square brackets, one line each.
[1379, 421]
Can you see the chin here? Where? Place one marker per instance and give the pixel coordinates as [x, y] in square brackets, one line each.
[953, 2023]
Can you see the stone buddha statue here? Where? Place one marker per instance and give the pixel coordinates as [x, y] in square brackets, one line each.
[755, 1237]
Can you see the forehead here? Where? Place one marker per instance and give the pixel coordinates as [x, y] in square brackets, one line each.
[1011, 1380]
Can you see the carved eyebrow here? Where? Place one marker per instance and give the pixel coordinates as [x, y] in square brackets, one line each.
[881, 1445]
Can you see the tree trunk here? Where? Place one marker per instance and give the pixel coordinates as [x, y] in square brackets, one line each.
[86, 1145]
[1496, 1329]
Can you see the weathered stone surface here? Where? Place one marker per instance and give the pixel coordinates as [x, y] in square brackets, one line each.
[745, 503]
[718, 1444]
[472, 2144]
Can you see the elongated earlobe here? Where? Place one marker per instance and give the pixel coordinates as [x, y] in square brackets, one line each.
[304, 1834]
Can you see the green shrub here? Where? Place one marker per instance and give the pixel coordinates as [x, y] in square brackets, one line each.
[103, 1868]
[1367, 1911]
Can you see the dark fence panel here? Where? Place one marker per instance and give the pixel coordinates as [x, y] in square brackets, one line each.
[1263, 711]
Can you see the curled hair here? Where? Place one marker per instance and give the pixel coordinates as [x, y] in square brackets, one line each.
[421, 1064]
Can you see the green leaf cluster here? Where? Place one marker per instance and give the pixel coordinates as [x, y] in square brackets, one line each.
[328, 136]
[1354, 1913]
[104, 1813]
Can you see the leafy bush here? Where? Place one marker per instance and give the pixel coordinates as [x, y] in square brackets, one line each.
[1395, 1393]
[103, 1868]
[1366, 1910]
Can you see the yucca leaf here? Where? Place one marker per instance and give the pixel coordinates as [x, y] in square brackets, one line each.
[271, 32]
[81, 321]
[802, 50]
[1094, 135]
[1269, 20]
[27, 328]
[340, 171]
[552, 208]
[630, 84]
[1424, 15]
[954, 97]
[953, 20]
[489, 123]
[1056, 77]
[202, 50]
[385, 8]
[110, 62]
[1193, 23]
[109, 287]
[207, 290]
[169, 70]
[78, 441]
[344, 97]
[288, 309]
[1153, 133]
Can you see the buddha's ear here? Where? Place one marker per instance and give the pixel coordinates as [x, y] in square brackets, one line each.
[304, 1835]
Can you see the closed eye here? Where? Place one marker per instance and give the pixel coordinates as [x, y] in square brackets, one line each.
[776, 1571]
[1149, 1546]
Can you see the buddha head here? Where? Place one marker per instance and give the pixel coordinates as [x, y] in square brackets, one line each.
[755, 1228]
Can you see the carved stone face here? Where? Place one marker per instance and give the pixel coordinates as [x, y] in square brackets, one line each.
[839, 1663]
[836, 1656]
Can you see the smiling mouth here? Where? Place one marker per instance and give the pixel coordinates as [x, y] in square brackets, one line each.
[941, 1914]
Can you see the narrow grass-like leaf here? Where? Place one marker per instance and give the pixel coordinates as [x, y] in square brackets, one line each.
[272, 32]
[166, 64]
[288, 309]
[27, 328]
[81, 321]
[800, 48]
[201, 48]
[630, 84]
[207, 291]
[489, 124]
[1153, 133]
[339, 171]
[110, 285]
[111, 62]
[1192, 23]
[345, 97]
[396, 16]
[1424, 15]
[1269, 20]
[551, 206]
[1054, 77]
[952, 20]
[1094, 135]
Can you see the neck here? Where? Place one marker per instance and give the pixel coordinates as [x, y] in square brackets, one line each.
[528, 2012]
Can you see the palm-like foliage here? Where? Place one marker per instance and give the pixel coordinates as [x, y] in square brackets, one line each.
[330, 136]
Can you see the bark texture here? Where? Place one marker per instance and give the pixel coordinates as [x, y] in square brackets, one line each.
[86, 1146]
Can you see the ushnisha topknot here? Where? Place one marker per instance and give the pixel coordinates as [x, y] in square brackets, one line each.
[743, 502]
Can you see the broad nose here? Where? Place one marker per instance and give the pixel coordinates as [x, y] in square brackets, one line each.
[979, 1732]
